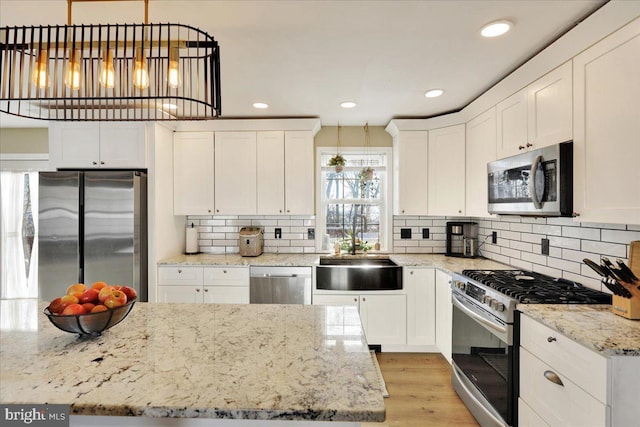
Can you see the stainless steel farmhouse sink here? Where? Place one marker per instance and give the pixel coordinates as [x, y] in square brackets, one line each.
[354, 273]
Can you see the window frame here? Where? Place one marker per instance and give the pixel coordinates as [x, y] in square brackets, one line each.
[386, 190]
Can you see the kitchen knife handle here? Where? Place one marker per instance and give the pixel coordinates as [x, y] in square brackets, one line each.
[553, 377]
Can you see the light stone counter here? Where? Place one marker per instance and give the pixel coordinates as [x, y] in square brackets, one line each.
[447, 264]
[593, 326]
[256, 362]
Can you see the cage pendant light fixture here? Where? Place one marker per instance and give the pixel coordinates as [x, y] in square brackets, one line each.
[109, 72]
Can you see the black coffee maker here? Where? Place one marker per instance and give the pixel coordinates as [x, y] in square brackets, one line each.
[462, 239]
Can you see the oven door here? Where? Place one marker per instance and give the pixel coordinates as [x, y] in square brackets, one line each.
[482, 354]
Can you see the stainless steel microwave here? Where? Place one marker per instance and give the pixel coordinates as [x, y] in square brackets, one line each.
[538, 182]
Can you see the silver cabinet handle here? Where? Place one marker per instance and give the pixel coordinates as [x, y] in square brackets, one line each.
[197, 290]
[411, 272]
[529, 144]
[520, 147]
[553, 377]
[551, 339]
[456, 303]
[355, 299]
[179, 271]
[224, 271]
[101, 162]
[206, 290]
[94, 163]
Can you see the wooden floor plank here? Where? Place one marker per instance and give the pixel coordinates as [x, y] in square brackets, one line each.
[420, 391]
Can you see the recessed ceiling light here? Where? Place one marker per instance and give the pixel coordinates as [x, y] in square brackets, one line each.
[348, 104]
[433, 93]
[495, 29]
[260, 105]
[168, 106]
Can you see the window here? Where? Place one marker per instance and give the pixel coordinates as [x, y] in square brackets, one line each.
[351, 203]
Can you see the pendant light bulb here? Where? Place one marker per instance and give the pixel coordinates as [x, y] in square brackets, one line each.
[107, 73]
[173, 76]
[72, 76]
[140, 71]
[40, 74]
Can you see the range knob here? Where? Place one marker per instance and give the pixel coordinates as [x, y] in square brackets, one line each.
[494, 304]
[500, 306]
[490, 301]
[486, 299]
[460, 285]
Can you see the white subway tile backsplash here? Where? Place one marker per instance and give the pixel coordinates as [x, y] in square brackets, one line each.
[564, 242]
[561, 264]
[603, 248]
[548, 230]
[495, 225]
[525, 228]
[618, 236]
[531, 238]
[511, 235]
[521, 246]
[510, 253]
[568, 221]
[601, 225]
[553, 272]
[534, 258]
[633, 227]
[518, 263]
[581, 233]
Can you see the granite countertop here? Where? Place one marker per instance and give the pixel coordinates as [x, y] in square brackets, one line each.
[295, 362]
[448, 264]
[594, 326]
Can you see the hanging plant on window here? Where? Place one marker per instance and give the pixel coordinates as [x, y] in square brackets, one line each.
[366, 174]
[338, 161]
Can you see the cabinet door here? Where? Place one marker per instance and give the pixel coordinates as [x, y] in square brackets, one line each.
[384, 318]
[226, 294]
[299, 173]
[527, 417]
[180, 293]
[550, 108]
[446, 171]
[235, 173]
[480, 150]
[607, 125]
[419, 283]
[511, 115]
[444, 314]
[410, 166]
[74, 145]
[123, 145]
[342, 299]
[270, 172]
[193, 173]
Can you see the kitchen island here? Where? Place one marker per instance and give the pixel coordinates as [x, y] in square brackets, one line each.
[196, 364]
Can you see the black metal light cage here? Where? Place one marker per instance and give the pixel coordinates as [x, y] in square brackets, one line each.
[182, 62]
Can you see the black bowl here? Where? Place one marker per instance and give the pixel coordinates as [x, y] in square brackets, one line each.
[90, 323]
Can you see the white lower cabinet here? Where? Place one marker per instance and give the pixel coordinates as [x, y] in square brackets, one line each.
[563, 383]
[419, 285]
[444, 314]
[220, 285]
[384, 317]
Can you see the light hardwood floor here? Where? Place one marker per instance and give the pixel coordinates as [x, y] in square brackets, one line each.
[420, 390]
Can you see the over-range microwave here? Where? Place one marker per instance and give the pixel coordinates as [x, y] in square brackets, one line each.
[538, 182]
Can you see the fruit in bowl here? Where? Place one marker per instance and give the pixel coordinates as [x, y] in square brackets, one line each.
[90, 311]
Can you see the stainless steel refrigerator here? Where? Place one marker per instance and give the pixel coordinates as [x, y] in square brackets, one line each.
[92, 227]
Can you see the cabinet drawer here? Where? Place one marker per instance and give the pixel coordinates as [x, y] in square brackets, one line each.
[527, 416]
[180, 275]
[226, 276]
[558, 405]
[584, 367]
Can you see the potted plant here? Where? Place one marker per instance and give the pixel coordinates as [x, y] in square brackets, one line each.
[338, 161]
[366, 174]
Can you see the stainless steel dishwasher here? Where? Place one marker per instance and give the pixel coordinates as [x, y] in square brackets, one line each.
[280, 285]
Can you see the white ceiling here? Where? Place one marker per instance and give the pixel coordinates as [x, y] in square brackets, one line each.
[305, 57]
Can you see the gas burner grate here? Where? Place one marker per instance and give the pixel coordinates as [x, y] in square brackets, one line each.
[535, 288]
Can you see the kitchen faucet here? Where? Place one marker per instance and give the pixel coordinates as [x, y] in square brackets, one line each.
[353, 232]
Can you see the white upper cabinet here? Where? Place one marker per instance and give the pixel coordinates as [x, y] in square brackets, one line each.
[270, 173]
[446, 170]
[235, 173]
[298, 173]
[480, 150]
[536, 116]
[97, 145]
[607, 129]
[193, 189]
[410, 154]
[549, 108]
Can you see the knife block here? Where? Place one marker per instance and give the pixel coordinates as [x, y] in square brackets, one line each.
[626, 307]
[629, 307]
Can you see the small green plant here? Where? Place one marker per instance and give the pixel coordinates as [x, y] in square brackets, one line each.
[337, 160]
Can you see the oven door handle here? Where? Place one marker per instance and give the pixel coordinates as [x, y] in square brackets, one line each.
[476, 316]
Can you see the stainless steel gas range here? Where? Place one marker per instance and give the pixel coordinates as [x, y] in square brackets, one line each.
[485, 334]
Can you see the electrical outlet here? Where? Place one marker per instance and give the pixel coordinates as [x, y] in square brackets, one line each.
[405, 233]
[545, 246]
[311, 233]
[425, 233]
[278, 233]
[494, 237]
